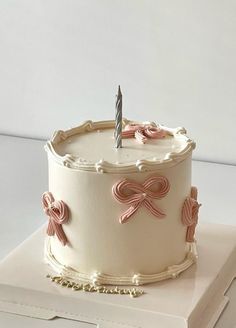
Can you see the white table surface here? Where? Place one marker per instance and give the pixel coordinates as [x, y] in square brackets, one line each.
[23, 179]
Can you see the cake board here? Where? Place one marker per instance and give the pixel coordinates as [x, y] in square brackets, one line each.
[195, 299]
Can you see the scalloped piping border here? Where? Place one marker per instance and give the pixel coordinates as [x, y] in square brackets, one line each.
[137, 279]
[106, 167]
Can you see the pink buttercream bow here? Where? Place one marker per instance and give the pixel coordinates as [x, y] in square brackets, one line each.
[143, 131]
[58, 214]
[190, 214]
[137, 195]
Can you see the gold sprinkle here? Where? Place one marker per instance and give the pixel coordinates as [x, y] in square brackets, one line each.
[92, 289]
[70, 284]
[116, 290]
[101, 289]
[133, 292]
[77, 287]
[64, 283]
[57, 280]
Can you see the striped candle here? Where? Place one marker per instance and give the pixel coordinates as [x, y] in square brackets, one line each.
[118, 124]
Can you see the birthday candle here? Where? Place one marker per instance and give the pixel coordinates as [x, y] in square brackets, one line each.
[118, 125]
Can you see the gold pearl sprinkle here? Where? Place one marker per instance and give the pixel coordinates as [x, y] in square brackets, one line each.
[116, 290]
[77, 287]
[64, 283]
[70, 285]
[133, 292]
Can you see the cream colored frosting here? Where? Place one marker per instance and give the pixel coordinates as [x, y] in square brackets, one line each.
[98, 278]
[91, 147]
[145, 245]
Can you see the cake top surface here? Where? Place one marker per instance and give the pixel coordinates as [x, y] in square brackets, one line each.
[91, 147]
[100, 144]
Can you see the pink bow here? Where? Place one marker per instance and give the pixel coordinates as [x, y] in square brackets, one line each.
[190, 214]
[135, 194]
[143, 131]
[58, 213]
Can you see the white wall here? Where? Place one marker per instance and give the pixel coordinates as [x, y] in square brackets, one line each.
[61, 62]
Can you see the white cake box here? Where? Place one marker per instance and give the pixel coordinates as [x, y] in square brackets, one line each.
[195, 299]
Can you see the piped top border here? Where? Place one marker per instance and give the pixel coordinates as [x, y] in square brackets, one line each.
[102, 166]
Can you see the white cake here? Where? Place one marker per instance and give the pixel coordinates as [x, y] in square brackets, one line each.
[120, 216]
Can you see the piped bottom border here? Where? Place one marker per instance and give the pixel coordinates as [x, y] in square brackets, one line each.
[98, 278]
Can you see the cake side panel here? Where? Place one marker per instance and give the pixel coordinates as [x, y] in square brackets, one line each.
[99, 242]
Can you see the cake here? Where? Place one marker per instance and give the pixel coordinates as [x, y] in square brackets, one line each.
[122, 216]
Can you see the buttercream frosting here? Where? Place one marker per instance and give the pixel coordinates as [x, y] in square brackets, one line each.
[58, 214]
[143, 250]
[190, 214]
[143, 132]
[99, 278]
[74, 148]
[137, 194]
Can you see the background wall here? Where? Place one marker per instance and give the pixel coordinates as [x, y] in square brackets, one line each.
[62, 60]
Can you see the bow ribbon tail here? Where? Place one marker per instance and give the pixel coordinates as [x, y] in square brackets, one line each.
[187, 211]
[50, 228]
[128, 213]
[61, 234]
[190, 233]
[153, 209]
[191, 229]
[58, 230]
